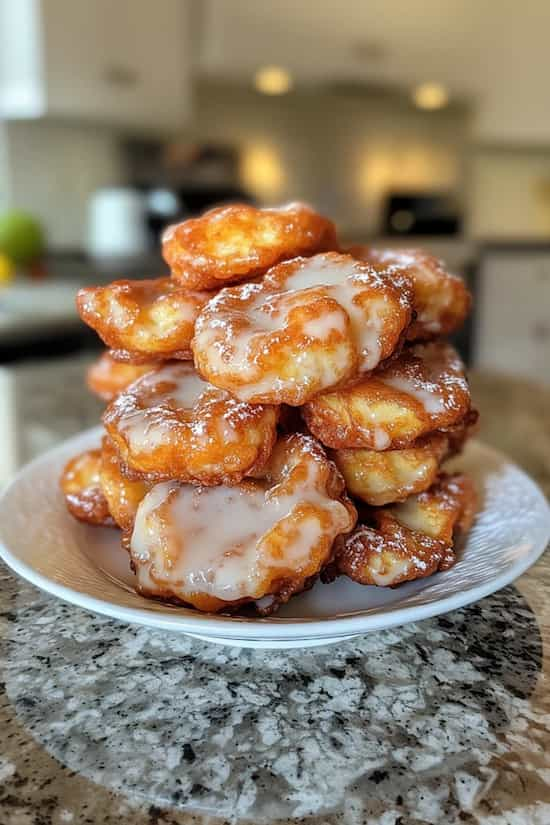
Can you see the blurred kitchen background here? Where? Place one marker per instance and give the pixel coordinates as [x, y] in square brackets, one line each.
[419, 123]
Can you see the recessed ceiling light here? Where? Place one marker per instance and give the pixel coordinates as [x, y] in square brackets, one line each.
[430, 96]
[273, 80]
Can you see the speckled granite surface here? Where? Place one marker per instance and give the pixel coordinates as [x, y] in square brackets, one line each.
[447, 721]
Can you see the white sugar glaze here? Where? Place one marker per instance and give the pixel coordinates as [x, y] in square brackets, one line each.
[378, 557]
[187, 385]
[119, 314]
[345, 284]
[215, 540]
[426, 393]
[321, 327]
[436, 383]
[355, 322]
[269, 313]
[145, 424]
[184, 309]
[381, 438]
[407, 474]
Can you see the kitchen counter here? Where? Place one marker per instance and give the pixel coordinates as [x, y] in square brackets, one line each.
[445, 721]
[36, 310]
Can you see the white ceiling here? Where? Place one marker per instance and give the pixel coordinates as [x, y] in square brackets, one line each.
[495, 53]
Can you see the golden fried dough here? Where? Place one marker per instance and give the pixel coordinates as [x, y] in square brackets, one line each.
[107, 377]
[122, 494]
[238, 242]
[441, 300]
[380, 478]
[390, 476]
[423, 390]
[143, 320]
[410, 540]
[81, 486]
[172, 425]
[260, 541]
[311, 324]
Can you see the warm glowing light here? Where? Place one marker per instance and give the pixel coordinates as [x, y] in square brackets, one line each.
[430, 96]
[262, 171]
[272, 80]
[383, 166]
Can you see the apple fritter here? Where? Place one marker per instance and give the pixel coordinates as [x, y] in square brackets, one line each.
[423, 390]
[80, 484]
[239, 242]
[408, 541]
[171, 424]
[441, 300]
[122, 494]
[218, 548]
[387, 477]
[380, 478]
[312, 324]
[143, 321]
[106, 377]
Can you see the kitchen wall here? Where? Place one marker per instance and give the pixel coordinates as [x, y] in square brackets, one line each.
[341, 149]
[51, 169]
[509, 193]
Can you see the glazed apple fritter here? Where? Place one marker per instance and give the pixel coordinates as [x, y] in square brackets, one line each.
[143, 321]
[379, 478]
[441, 300]
[171, 424]
[389, 476]
[122, 494]
[423, 390]
[312, 324]
[218, 548]
[106, 377]
[240, 242]
[408, 541]
[81, 485]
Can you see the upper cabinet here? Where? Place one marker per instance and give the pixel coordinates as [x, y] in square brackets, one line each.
[123, 62]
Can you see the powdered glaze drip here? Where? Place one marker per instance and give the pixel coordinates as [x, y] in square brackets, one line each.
[223, 541]
[173, 425]
[437, 382]
[341, 281]
[310, 325]
[178, 385]
[426, 393]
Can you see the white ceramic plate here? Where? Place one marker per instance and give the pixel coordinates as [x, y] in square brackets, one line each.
[86, 565]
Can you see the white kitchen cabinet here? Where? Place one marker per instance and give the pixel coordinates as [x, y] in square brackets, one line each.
[512, 329]
[111, 61]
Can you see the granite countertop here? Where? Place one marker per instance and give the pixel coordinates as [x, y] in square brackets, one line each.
[446, 721]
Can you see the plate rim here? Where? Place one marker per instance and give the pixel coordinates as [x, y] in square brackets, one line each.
[268, 629]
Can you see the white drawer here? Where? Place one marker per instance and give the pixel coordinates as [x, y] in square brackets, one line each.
[513, 314]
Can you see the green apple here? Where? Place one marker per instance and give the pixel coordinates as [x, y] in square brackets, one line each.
[21, 236]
